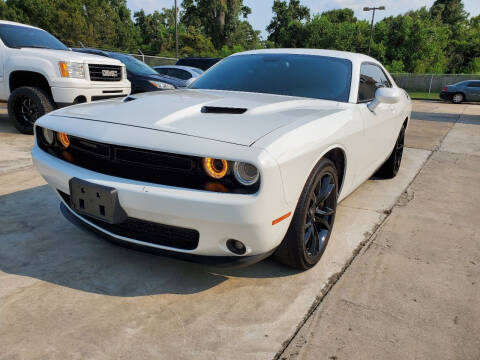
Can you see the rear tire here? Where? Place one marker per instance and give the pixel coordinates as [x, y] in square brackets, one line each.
[26, 105]
[312, 223]
[457, 98]
[390, 167]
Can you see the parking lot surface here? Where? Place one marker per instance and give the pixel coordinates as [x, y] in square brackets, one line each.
[398, 279]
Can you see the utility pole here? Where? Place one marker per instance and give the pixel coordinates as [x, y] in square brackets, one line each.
[371, 25]
[176, 30]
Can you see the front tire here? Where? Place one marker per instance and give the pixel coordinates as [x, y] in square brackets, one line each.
[26, 105]
[390, 167]
[312, 223]
[457, 98]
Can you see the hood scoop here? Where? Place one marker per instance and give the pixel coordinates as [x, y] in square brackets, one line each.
[222, 110]
[129, 98]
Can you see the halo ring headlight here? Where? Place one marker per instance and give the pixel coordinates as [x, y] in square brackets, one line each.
[246, 174]
[48, 136]
[215, 168]
[63, 139]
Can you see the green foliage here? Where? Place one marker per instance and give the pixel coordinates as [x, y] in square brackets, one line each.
[436, 40]
[287, 28]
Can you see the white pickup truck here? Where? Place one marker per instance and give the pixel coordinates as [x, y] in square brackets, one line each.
[38, 74]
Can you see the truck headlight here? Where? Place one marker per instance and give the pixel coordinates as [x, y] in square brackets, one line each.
[124, 72]
[162, 85]
[72, 69]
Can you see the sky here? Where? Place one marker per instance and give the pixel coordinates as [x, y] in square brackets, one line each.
[262, 9]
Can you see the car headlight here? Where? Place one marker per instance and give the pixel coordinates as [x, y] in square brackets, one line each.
[63, 139]
[246, 174]
[48, 136]
[72, 69]
[124, 72]
[215, 168]
[162, 85]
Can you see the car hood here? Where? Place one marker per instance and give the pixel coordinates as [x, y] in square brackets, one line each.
[180, 111]
[66, 55]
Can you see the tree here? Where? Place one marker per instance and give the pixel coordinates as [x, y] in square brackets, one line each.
[287, 28]
[217, 19]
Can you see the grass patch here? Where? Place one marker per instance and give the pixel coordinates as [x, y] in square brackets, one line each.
[424, 95]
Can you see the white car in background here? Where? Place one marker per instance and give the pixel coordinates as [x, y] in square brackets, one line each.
[250, 160]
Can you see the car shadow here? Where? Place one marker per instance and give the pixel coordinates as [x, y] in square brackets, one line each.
[446, 117]
[37, 242]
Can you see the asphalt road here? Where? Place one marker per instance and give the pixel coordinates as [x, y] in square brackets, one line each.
[65, 293]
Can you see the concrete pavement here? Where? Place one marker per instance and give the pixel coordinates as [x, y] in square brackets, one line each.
[67, 294]
[412, 293]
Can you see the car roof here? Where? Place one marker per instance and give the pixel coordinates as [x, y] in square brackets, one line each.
[18, 24]
[354, 57]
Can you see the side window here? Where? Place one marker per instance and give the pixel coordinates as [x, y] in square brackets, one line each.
[162, 71]
[180, 74]
[372, 77]
[474, 84]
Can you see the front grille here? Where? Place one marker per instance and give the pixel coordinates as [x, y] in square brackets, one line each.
[155, 167]
[146, 231]
[105, 72]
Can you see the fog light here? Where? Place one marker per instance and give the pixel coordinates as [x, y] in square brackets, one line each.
[236, 247]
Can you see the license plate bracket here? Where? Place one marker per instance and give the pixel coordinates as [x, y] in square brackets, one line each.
[98, 201]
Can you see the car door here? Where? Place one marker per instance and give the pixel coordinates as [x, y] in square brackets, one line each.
[380, 124]
[473, 91]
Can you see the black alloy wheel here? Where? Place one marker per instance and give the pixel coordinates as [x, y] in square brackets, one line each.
[26, 105]
[28, 112]
[319, 216]
[312, 223]
[391, 166]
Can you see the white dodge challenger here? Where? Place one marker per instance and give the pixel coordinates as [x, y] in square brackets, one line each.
[250, 160]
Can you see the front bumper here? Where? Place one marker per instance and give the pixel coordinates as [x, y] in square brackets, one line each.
[64, 96]
[217, 217]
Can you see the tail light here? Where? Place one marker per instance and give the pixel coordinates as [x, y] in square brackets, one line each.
[445, 88]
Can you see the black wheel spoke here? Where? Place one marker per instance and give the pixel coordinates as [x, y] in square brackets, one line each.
[325, 190]
[326, 211]
[322, 222]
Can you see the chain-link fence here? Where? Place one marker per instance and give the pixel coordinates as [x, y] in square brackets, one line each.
[155, 60]
[429, 85]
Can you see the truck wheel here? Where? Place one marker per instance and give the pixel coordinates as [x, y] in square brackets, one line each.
[26, 105]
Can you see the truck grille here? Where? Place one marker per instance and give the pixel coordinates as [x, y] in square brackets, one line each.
[105, 72]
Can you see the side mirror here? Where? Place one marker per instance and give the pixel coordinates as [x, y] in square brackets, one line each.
[386, 96]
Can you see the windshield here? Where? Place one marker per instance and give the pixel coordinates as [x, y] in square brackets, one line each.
[197, 71]
[308, 76]
[21, 36]
[133, 65]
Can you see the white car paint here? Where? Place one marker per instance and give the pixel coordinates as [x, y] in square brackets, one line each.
[284, 137]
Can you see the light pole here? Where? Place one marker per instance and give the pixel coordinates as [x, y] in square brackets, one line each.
[371, 26]
[176, 30]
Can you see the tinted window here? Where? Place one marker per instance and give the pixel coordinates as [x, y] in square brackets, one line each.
[20, 36]
[133, 65]
[474, 84]
[281, 74]
[179, 73]
[162, 71]
[372, 77]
